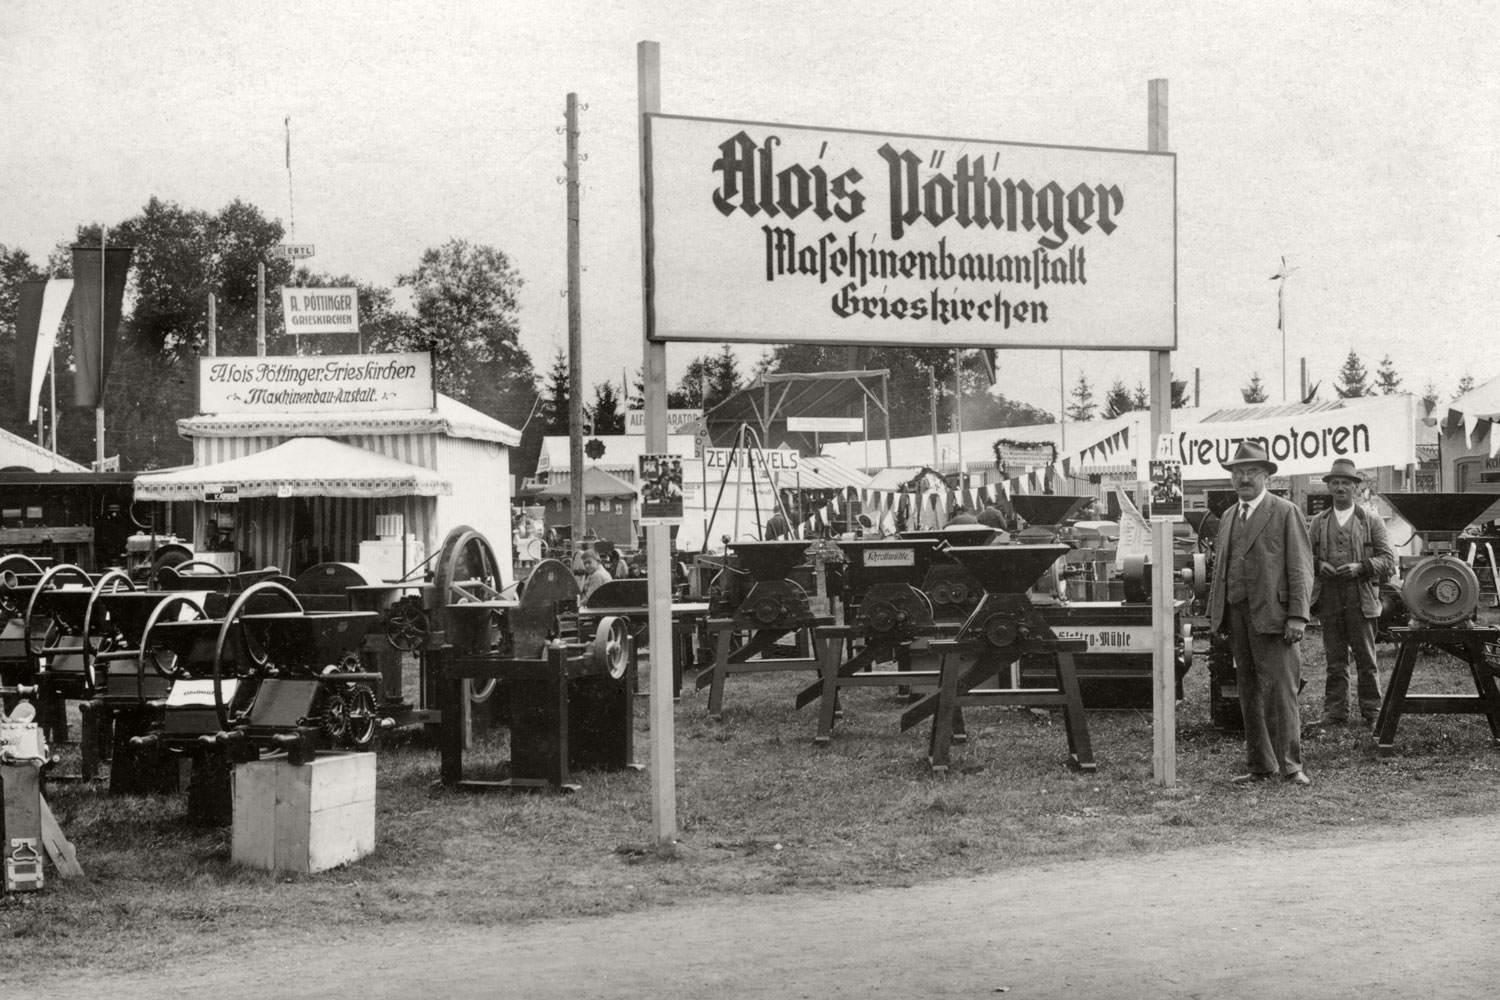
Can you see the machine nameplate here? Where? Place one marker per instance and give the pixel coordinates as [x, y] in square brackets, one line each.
[1109, 638]
[890, 557]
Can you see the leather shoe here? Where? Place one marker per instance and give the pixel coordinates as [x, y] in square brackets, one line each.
[1328, 720]
[1297, 778]
[1251, 778]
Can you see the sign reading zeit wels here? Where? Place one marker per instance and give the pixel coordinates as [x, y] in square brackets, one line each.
[320, 310]
[769, 232]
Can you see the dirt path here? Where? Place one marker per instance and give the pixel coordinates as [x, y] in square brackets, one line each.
[1404, 913]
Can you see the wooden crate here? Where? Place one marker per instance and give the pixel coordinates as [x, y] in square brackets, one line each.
[305, 818]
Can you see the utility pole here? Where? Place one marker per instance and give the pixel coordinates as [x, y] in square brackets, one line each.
[103, 308]
[1280, 279]
[575, 331]
[260, 309]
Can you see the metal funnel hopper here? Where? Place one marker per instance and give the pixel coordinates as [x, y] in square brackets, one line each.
[1195, 518]
[887, 560]
[770, 560]
[310, 640]
[1440, 511]
[959, 534]
[130, 610]
[1007, 569]
[1046, 508]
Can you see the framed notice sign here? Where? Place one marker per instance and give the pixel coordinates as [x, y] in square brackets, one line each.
[345, 383]
[762, 232]
[661, 489]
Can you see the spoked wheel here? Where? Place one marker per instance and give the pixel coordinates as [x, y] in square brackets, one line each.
[467, 571]
[52, 579]
[406, 625]
[163, 662]
[363, 716]
[256, 661]
[114, 580]
[20, 565]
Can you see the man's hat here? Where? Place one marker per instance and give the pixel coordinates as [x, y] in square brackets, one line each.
[1251, 453]
[1344, 467]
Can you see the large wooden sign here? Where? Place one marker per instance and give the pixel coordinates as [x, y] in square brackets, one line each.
[313, 384]
[781, 233]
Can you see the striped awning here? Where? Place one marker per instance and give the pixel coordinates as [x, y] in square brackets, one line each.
[301, 467]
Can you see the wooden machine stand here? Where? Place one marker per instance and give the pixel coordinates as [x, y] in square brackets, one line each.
[1467, 644]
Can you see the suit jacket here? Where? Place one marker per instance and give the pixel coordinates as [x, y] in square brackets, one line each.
[1278, 566]
[1377, 560]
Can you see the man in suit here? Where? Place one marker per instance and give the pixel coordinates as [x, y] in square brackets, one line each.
[1353, 556]
[1260, 598]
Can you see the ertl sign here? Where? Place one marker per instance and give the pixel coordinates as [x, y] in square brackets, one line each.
[761, 232]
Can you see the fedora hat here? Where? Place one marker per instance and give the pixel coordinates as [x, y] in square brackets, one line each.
[1251, 453]
[1344, 467]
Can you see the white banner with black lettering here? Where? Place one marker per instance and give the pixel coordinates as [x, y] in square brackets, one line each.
[1373, 431]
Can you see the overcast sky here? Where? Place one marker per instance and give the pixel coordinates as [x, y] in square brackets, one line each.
[1358, 139]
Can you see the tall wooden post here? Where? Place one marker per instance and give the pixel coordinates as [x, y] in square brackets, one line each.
[103, 311]
[211, 343]
[658, 537]
[1164, 674]
[575, 334]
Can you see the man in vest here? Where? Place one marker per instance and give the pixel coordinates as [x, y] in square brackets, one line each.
[1262, 589]
[1353, 555]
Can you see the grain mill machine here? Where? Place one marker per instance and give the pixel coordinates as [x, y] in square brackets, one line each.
[885, 612]
[1003, 628]
[768, 605]
[1443, 594]
[950, 587]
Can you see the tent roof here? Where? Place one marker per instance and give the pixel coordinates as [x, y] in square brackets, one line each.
[450, 418]
[770, 399]
[622, 452]
[301, 467]
[17, 451]
[596, 483]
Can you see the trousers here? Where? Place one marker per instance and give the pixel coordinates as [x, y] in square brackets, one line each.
[1346, 630]
[1268, 672]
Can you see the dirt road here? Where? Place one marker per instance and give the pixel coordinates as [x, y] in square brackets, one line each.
[1404, 913]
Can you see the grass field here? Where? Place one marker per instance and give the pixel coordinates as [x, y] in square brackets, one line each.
[760, 810]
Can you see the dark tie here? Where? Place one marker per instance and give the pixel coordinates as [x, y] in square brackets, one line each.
[1244, 513]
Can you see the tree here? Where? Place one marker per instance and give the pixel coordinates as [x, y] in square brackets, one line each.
[1117, 401]
[1353, 380]
[1430, 394]
[556, 396]
[465, 299]
[709, 380]
[1465, 385]
[1386, 379]
[1255, 392]
[604, 413]
[1081, 410]
[1141, 400]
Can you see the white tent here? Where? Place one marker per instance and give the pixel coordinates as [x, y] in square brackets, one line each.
[300, 467]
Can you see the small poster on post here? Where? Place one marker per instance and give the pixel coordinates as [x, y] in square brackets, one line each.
[661, 489]
[1166, 490]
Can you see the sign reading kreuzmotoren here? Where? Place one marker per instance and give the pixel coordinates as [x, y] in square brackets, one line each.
[320, 310]
[765, 232]
[312, 384]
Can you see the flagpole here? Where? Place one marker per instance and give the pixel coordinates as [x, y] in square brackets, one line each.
[99, 399]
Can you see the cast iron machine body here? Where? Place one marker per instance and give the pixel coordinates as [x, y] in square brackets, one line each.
[772, 607]
[268, 676]
[950, 587]
[886, 611]
[1443, 594]
[568, 696]
[1004, 627]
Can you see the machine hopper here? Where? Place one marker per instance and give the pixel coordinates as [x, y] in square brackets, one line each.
[1431, 513]
[311, 640]
[1044, 509]
[766, 561]
[1007, 569]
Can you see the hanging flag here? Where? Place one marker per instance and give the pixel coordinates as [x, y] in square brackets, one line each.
[28, 322]
[39, 314]
[95, 294]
